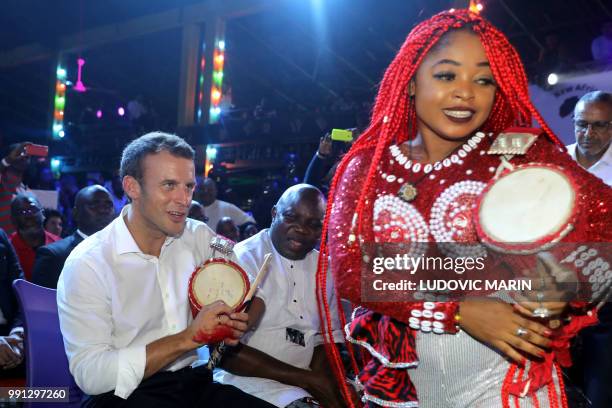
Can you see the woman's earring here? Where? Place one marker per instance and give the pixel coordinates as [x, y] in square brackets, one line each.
[411, 89]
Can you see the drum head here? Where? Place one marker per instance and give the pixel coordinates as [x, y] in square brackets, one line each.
[531, 204]
[218, 279]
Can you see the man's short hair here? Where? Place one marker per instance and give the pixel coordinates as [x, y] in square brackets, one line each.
[151, 143]
[596, 96]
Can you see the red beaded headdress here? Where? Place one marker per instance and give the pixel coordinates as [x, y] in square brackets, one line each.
[394, 117]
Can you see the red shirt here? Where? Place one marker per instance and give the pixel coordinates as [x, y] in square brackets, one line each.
[26, 253]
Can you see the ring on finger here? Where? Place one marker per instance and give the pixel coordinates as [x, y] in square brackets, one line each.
[521, 331]
[541, 312]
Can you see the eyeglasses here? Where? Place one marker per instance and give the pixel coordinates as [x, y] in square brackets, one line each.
[597, 126]
[29, 211]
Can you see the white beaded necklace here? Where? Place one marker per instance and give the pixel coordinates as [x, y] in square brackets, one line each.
[408, 191]
[457, 157]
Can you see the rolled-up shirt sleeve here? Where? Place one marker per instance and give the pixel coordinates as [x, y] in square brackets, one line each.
[84, 305]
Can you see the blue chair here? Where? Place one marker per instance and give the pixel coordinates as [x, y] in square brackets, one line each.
[46, 361]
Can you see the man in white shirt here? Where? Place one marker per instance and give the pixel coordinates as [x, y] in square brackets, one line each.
[122, 295]
[283, 360]
[593, 130]
[593, 151]
[215, 209]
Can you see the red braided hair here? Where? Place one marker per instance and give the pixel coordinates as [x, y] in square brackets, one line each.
[394, 121]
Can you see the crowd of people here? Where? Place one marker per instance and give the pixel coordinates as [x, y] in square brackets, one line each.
[451, 117]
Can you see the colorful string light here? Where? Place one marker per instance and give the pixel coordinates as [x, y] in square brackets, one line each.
[59, 103]
[201, 82]
[216, 92]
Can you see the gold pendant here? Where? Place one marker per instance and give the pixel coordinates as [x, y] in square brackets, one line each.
[407, 192]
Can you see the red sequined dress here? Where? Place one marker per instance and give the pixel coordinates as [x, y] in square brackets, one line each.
[442, 212]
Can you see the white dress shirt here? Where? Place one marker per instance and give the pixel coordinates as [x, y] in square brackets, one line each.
[113, 300]
[220, 209]
[291, 302]
[601, 169]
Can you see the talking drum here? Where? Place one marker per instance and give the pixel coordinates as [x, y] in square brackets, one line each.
[527, 209]
[218, 279]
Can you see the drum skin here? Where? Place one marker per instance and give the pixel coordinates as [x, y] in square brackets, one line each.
[527, 209]
[218, 279]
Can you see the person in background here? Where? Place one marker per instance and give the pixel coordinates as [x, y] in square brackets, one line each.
[12, 168]
[593, 151]
[54, 222]
[116, 190]
[248, 230]
[11, 327]
[93, 210]
[593, 131]
[206, 194]
[322, 166]
[27, 215]
[227, 228]
[196, 212]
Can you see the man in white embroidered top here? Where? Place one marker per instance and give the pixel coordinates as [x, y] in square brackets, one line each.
[122, 295]
[593, 129]
[283, 361]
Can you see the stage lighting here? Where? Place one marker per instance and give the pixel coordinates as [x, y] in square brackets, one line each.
[552, 79]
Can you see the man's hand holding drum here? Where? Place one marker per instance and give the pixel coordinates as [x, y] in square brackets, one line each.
[215, 323]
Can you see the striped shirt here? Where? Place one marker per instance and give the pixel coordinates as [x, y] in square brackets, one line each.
[9, 181]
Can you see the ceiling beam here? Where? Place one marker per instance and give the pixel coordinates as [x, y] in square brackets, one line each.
[521, 24]
[152, 23]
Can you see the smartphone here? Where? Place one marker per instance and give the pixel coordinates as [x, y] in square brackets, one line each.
[342, 135]
[37, 150]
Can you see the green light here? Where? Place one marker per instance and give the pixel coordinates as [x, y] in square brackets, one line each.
[218, 77]
[60, 102]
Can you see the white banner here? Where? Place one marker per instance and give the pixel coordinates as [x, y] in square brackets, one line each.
[556, 104]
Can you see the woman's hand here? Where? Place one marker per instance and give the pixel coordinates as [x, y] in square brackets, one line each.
[495, 323]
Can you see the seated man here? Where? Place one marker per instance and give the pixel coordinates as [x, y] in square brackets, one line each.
[196, 212]
[27, 216]
[227, 228]
[93, 210]
[123, 293]
[11, 329]
[284, 361]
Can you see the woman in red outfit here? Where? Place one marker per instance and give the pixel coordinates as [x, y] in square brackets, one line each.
[414, 177]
